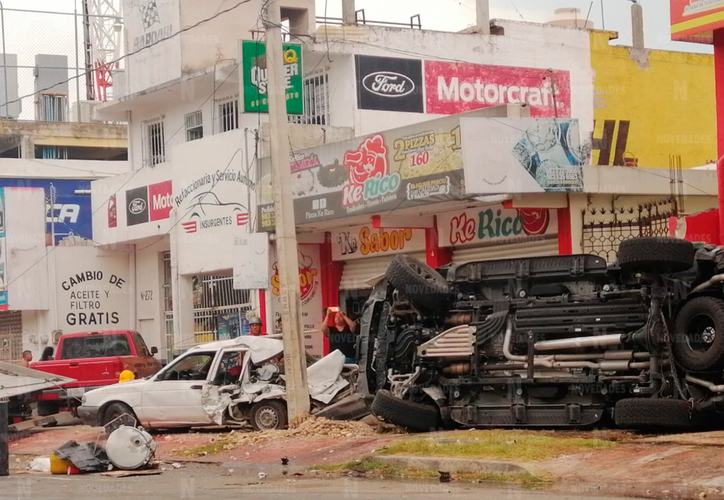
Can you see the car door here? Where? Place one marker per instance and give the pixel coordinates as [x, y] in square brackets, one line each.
[173, 396]
[230, 366]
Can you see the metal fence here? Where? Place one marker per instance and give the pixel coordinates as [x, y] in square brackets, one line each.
[43, 66]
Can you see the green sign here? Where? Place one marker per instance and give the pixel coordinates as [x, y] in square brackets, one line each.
[254, 66]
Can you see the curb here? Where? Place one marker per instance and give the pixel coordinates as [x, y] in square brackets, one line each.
[454, 465]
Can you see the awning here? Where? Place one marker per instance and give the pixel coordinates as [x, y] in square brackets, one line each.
[17, 380]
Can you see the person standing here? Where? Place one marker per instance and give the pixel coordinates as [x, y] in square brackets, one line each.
[256, 327]
[342, 334]
[27, 358]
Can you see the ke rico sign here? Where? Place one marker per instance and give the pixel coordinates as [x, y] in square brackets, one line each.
[256, 77]
[391, 170]
[366, 241]
[93, 292]
[453, 88]
[493, 225]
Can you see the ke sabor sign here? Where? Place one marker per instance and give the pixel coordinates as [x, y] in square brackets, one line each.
[256, 77]
[366, 241]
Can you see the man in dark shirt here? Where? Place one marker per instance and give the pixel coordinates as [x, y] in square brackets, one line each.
[342, 335]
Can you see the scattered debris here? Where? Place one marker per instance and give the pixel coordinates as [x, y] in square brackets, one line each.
[285, 461]
[86, 457]
[177, 465]
[444, 477]
[40, 464]
[263, 475]
[129, 448]
[203, 453]
[131, 473]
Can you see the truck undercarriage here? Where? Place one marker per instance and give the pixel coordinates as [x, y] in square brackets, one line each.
[551, 341]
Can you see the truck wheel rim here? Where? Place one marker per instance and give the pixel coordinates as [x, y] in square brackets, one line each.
[701, 333]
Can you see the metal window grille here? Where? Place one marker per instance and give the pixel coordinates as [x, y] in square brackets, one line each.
[11, 336]
[604, 228]
[215, 296]
[168, 305]
[53, 107]
[316, 100]
[155, 148]
[194, 126]
[228, 113]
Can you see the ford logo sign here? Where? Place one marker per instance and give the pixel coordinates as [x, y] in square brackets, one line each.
[388, 84]
[137, 206]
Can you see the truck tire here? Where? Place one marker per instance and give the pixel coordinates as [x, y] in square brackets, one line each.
[641, 413]
[415, 416]
[46, 408]
[269, 415]
[656, 255]
[418, 282]
[699, 335]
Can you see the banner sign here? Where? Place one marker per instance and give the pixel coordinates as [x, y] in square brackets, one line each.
[145, 204]
[494, 225]
[3, 256]
[695, 20]
[389, 84]
[256, 77]
[400, 168]
[366, 241]
[453, 88]
[251, 263]
[523, 155]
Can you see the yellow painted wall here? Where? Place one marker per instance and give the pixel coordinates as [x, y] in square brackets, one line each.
[667, 98]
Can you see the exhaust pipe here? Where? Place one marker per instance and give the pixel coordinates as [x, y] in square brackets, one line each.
[580, 342]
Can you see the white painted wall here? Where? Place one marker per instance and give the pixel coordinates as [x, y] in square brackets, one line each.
[149, 298]
[21, 168]
[27, 269]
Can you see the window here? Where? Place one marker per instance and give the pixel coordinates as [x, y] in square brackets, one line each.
[316, 100]
[230, 367]
[95, 346]
[192, 367]
[194, 126]
[141, 346]
[155, 147]
[53, 107]
[228, 114]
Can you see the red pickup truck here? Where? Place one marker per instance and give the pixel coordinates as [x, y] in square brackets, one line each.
[93, 359]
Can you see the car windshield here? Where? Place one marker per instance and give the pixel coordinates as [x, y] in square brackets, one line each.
[141, 345]
[192, 367]
[95, 346]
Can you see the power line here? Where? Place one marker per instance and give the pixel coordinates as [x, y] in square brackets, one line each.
[516, 9]
[133, 53]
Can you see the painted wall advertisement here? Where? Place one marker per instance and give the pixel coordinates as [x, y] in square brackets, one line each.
[3, 256]
[93, 291]
[695, 20]
[494, 225]
[523, 155]
[366, 241]
[459, 87]
[399, 168]
[256, 77]
[310, 287]
[389, 84]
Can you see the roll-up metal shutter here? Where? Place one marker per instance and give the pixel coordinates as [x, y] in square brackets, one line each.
[357, 272]
[518, 250]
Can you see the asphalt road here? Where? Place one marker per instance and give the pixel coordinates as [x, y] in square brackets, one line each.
[201, 482]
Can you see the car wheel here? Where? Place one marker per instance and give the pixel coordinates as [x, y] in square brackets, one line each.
[644, 413]
[269, 415]
[113, 412]
[699, 335]
[656, 255]
[418, 282]
[415, 416]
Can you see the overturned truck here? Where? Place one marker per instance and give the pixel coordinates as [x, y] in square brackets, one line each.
[565, 341]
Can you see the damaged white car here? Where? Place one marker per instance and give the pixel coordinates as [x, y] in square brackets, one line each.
[234, 382]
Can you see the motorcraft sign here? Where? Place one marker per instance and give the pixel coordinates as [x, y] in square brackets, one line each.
[452, 88]
[389, 84]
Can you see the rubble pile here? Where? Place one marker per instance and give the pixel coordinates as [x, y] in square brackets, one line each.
[310, 427]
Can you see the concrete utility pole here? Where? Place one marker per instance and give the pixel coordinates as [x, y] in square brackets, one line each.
[482, 11]
[349, 13]
[293, 334]
[637, 21]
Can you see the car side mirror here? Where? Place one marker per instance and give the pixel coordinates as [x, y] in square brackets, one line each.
[154, 350]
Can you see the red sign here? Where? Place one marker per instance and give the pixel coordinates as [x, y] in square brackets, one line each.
[694, 20]
[453, 88]
[160, 197]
